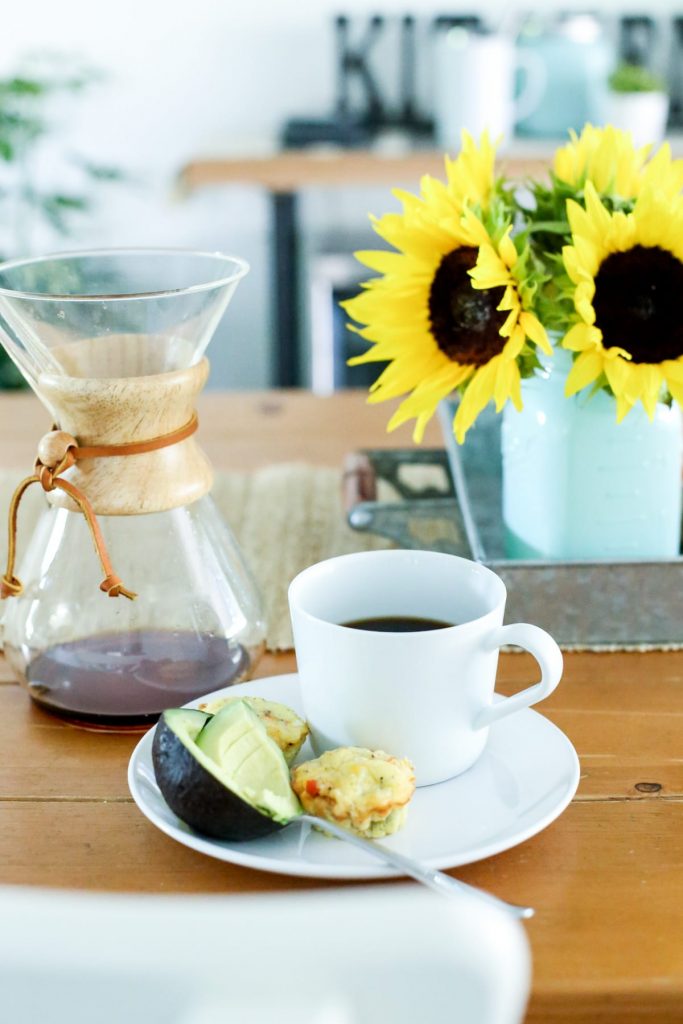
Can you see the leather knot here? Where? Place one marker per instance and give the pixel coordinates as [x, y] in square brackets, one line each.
[46, 477]
[10, 586]
[57, 451]
[55, 448]
[113, 587]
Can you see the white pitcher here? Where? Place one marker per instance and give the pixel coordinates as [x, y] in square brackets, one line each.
[475, 85]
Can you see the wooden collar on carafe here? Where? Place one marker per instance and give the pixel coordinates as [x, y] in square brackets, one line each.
[57, 451]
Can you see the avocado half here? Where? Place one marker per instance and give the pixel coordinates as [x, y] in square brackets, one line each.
[222, 774]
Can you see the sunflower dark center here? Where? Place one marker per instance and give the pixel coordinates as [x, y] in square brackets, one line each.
[639, 303]
[465, 321]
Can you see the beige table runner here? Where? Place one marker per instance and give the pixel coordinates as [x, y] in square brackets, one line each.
[285, 518]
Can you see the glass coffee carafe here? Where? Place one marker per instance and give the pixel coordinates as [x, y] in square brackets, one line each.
[113, 343]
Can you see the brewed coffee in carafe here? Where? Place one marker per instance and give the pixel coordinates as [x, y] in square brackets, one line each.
[131, 595]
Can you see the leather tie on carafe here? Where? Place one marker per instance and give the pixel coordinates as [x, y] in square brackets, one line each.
[60, 451]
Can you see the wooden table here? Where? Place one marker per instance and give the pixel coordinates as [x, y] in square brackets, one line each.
[285, 175]
[606, 878]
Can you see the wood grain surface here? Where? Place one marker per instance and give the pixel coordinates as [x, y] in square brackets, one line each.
[293, 170]
[606, 877]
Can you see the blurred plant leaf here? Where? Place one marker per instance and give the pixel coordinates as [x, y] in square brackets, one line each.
[57, 208]
[100, 172]
[24, 125]
[21, 87]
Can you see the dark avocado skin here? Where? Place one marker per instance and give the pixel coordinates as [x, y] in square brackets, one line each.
[199, 799]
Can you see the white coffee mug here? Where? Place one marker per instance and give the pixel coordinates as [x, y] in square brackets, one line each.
[426, 695]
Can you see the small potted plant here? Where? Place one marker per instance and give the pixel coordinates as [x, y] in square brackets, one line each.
[637, 102]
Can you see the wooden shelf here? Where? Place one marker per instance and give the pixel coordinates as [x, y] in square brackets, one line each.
[284, 175]
[293, 170]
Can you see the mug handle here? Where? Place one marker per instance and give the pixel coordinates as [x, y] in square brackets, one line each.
[535, 82]
[548, 655]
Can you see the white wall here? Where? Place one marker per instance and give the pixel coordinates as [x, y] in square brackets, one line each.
[203, 77]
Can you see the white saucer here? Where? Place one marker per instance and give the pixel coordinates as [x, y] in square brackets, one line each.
[525, 778]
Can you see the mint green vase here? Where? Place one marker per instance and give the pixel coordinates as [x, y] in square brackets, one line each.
[578, 485]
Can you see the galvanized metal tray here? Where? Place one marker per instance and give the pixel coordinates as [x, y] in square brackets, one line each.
[450, 500]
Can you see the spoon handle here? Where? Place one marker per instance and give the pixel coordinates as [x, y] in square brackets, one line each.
[433, 879]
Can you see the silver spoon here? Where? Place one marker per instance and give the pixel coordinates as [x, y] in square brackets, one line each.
[433, 879]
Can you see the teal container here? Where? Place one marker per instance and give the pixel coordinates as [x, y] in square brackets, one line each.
[578, 485]
[574, 57]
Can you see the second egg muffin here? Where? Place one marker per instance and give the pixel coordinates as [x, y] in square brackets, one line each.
[365, 791]
[282, 724]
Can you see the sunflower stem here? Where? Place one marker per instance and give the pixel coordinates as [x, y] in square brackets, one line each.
[558, 227]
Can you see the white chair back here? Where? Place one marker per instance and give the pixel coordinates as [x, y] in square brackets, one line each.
[345, 956]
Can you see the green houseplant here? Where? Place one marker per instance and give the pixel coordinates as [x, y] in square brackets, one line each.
[26, 124]
[637, 102]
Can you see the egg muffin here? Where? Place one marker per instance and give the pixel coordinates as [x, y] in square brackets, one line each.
[282, 724]
[364, 791]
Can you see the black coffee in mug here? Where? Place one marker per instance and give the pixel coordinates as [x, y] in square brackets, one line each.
[397, 624]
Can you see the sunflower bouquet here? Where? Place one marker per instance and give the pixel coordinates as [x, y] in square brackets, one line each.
[483, 284]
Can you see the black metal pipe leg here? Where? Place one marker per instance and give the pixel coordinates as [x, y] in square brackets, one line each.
[287, 370]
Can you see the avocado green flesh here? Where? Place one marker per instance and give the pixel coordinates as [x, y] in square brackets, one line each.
[235, 748]
[186, 721]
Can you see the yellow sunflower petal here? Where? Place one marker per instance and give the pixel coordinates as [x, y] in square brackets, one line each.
[587, 368]
[420, 426]
[663, 173]
[650, 214]
[489, 271]
[588, 257]
[378, 353]
[474, 229]
[393, 262]
[604, 156]
[673, 369]
[401, 376]
[597, 213]
[623, 233]
[652, 380]
[572, 265]
[634, 381]
[616, 371]
[515, 343]
[507, 250]
[478, 394]
[583, 301]
[442, 382]
[371, 306]
[510, 323]
[624, 406]
[422, 404]
[503, 385]
[579, 221]
[471, 174]
[581, 336]
[534, 329]
[510, 299]
[676, 389]
[420, 239]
